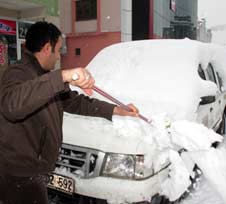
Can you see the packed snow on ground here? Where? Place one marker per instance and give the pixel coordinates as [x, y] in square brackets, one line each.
[166, 89]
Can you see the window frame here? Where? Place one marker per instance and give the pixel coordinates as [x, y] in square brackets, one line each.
[220, 81]
[210, 71]
[201, 72]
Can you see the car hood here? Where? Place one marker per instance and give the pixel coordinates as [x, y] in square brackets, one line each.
[124, 135]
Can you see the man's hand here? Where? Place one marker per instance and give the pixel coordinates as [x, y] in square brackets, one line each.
[132, 111]
[83, 80]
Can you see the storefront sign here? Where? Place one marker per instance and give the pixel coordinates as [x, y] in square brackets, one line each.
[7, 27]
[22, 28]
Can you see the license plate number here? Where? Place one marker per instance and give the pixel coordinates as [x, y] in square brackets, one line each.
[61, 183]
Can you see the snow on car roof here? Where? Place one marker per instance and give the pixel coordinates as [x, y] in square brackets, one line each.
[158, 75]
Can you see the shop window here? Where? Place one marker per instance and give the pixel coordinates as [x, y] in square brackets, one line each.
[3, 51]
[8, 45]
[86, 10]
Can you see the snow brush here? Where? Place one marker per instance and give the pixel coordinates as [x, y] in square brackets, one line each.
[116, 101]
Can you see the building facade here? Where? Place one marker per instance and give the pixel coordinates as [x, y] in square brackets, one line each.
[175, 19]
[203, 33]
[91, 25]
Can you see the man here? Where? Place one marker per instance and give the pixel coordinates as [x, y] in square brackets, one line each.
[32, 101]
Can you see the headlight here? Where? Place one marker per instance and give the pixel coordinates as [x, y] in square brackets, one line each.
[125, 166]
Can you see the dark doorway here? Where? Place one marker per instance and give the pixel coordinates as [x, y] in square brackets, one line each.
[140, 19]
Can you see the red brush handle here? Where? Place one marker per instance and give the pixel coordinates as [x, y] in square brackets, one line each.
[116, 101]
[106, 95]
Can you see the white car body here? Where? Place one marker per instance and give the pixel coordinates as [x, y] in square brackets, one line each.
[96, 136]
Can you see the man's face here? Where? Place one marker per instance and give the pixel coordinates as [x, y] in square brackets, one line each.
[54, 55]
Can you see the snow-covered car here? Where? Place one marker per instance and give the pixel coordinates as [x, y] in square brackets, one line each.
[127, 160]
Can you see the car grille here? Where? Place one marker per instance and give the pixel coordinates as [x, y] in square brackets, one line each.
[82, 162]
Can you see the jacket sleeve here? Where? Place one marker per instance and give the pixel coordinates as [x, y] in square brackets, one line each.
[83, 105]
[20, 95]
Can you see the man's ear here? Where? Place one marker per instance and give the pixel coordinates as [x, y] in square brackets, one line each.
[47, 48]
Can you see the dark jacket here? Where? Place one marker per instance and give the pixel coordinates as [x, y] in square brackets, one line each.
[32, 102]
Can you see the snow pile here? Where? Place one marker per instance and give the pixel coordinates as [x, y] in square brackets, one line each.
[193, 136]
[206, 189]
[213, 165]
[150, 74]
[196, 140]
[167, 89]
[178, 181]
[204, 194]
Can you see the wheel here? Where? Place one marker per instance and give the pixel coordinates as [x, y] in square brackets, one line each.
[221, 129]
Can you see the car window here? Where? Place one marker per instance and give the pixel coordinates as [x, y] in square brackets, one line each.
[210, 73]
[201, 72]
[220, 81]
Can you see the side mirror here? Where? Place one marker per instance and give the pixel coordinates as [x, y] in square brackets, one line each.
[207, 100]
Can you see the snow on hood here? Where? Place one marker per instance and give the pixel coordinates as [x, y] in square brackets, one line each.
[89, 131]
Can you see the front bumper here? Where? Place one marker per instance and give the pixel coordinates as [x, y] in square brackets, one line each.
[120, 190]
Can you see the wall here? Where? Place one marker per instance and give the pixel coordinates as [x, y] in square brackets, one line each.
[90, 45]
[126, 20]
[86, 26]
[65, 16]
[89, 36]
[51, 5]
[110, 16]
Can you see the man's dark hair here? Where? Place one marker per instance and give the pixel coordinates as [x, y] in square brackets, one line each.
[41, 33]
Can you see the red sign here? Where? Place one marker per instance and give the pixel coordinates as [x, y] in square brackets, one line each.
[173, 5]
[7, 27]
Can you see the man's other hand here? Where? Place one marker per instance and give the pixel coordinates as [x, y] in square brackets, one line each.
[132, 111]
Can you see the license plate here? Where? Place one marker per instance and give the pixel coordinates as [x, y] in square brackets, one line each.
[61, 183]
